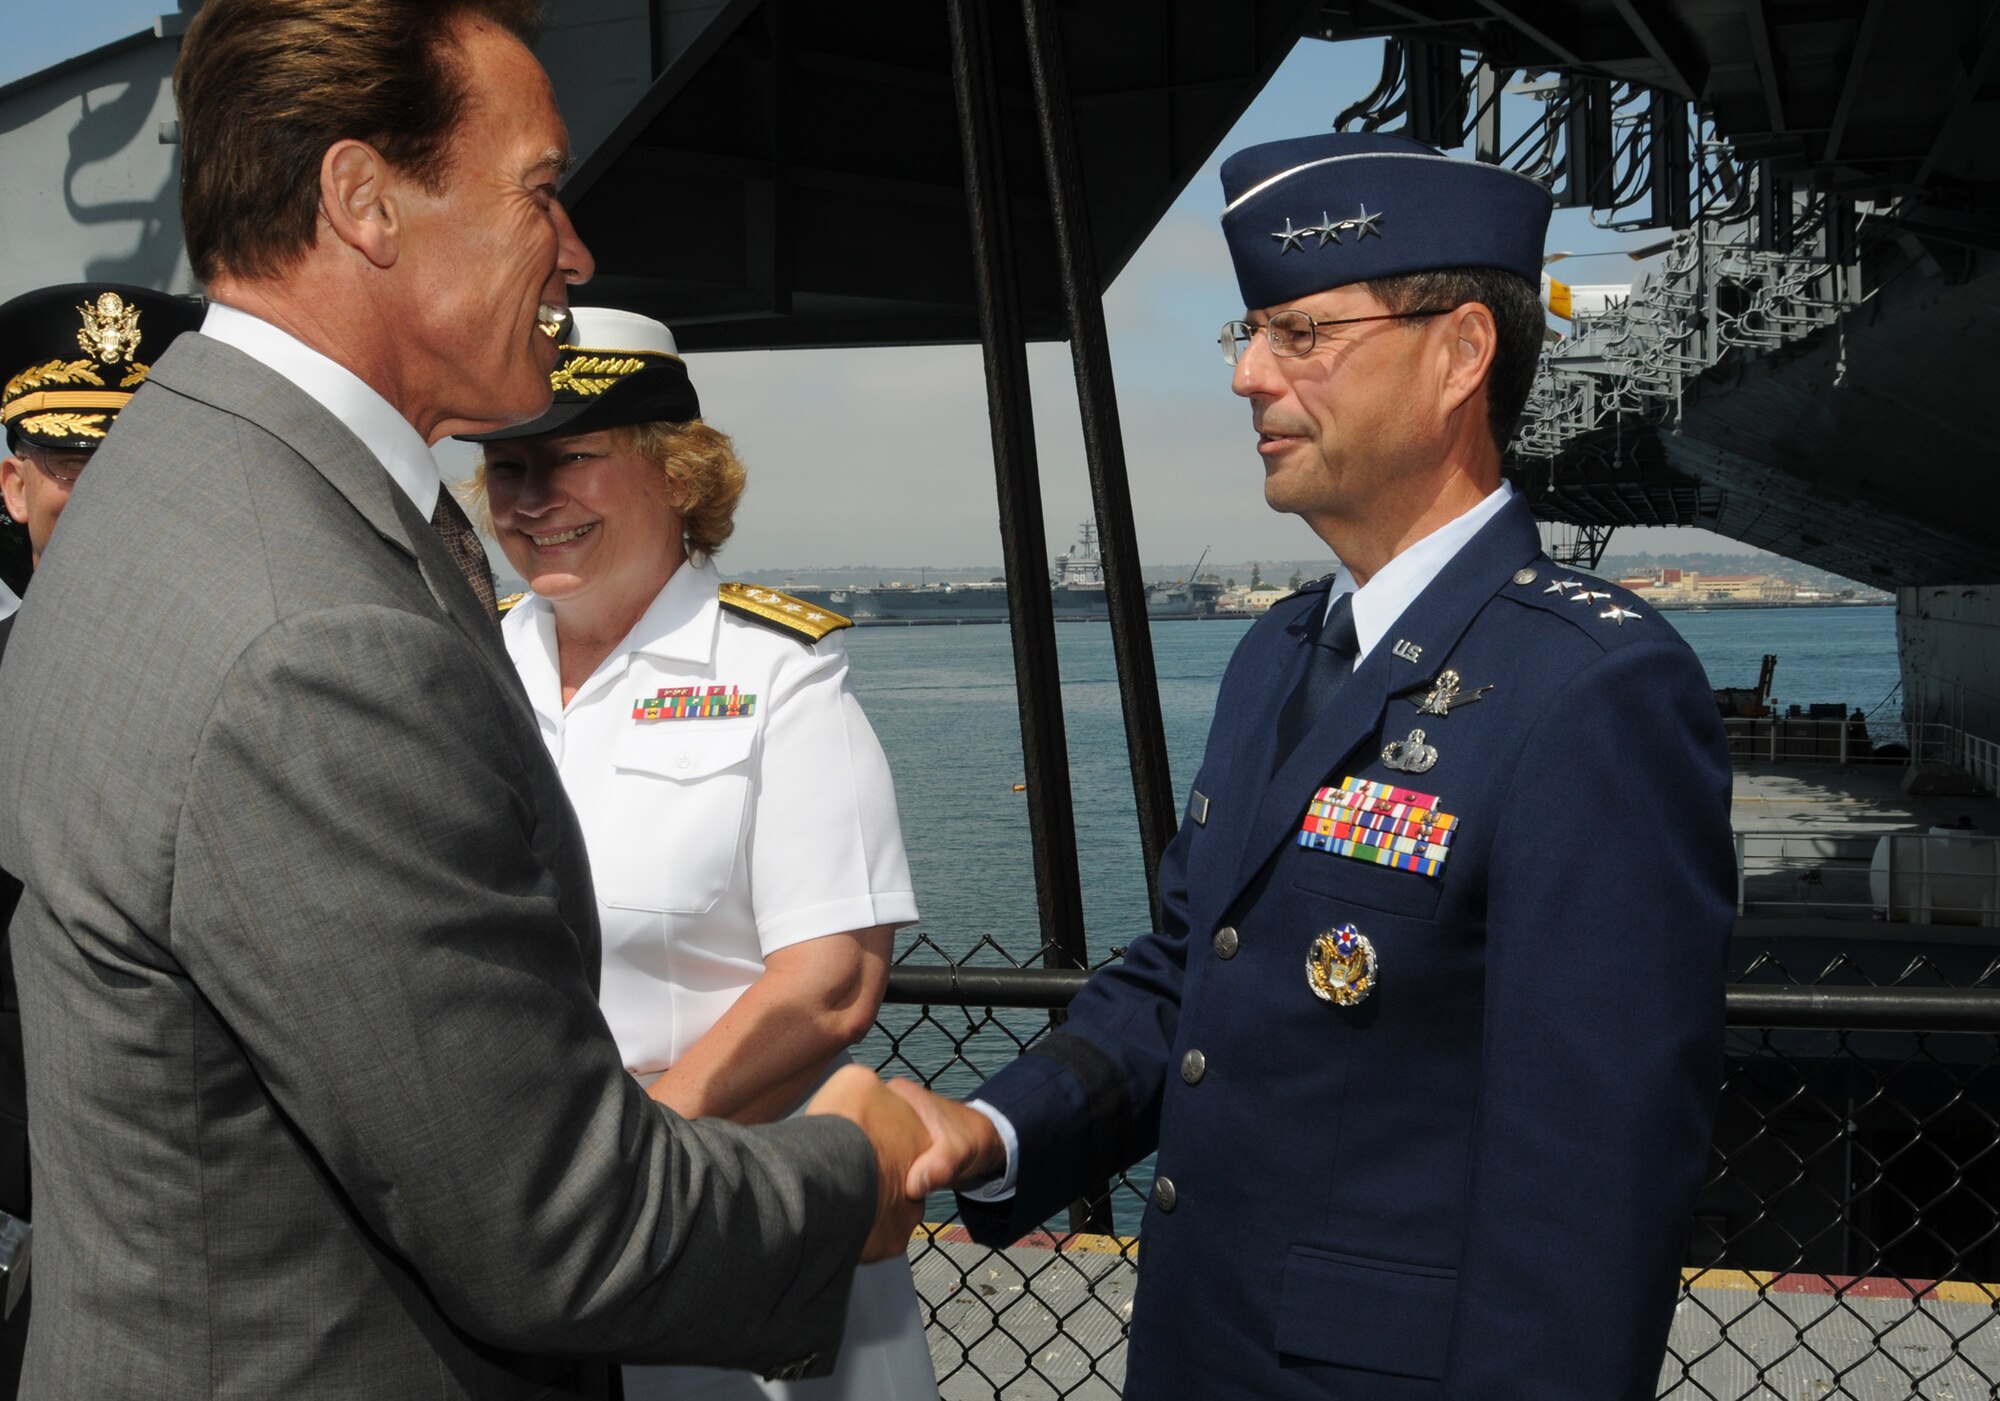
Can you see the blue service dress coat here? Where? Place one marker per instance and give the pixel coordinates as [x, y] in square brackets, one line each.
[1475, 1183]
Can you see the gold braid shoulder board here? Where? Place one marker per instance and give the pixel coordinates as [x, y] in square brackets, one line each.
[504, 604]
[806, 621]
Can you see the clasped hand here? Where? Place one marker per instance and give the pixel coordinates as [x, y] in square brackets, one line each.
[923, 1143]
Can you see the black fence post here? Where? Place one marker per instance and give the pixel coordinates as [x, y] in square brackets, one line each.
[1104, 449]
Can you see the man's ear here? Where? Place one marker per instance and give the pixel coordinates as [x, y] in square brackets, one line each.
[1469, 353]
[14, 488]
[359, 199]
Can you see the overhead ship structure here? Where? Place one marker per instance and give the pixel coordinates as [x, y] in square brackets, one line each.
[1807, 366]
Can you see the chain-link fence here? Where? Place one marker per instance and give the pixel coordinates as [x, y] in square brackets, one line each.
[1843, 1246]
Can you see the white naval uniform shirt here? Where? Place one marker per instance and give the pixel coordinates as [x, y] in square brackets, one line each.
[714, 842]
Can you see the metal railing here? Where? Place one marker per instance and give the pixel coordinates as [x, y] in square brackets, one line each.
[1920, 878]
[1842, 1246]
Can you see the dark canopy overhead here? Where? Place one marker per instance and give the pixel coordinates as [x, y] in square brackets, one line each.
[1858, 94]
[794, 178]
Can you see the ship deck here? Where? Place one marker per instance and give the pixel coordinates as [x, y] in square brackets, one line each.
[1053, 1322]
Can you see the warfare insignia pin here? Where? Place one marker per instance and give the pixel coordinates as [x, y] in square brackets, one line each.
[110, 329]
[1410, 755]
[1341, 969]
[1448, 690]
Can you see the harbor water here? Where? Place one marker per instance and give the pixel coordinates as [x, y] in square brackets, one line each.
[942, 700]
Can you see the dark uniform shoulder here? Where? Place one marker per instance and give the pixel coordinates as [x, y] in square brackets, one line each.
[807, 622]
[1609, 615]
[1300, 602]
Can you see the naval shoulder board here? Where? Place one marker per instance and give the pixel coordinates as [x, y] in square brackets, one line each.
[780, 611]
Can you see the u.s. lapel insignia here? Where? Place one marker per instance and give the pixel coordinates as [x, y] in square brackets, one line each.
[1407, 650]
[1447, 691]
[694, 703]
[1410, 755]
[1341, 969]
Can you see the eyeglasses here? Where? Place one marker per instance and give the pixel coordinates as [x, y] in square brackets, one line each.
[60, 465]
[1293, 333]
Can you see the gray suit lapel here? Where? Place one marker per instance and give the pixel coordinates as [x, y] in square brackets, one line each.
[224, 378]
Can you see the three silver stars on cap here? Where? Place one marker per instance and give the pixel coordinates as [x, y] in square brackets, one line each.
[1327, 230]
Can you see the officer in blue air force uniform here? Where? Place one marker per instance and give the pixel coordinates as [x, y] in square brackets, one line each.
[1430, 1039]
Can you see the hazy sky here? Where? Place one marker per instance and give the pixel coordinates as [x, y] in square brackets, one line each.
[882, 456]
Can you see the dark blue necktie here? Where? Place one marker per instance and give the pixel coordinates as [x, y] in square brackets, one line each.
[1330, 664]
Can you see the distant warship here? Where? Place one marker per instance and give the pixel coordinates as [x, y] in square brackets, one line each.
[1076, 589]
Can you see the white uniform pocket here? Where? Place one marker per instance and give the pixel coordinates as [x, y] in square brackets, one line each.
[673, 815]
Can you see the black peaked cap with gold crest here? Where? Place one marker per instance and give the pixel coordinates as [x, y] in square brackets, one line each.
[617, 368]
[71, 356]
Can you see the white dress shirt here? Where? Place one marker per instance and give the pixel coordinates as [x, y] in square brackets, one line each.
[371, 418]
[714, 842]
[9, 601]
[1395, 585]
[1377, 605]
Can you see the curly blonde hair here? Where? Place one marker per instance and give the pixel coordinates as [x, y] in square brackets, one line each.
[701, 469]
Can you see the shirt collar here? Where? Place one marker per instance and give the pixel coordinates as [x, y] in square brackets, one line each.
[368, 416]
[9, 601]
[678, 625]
[1396, 585]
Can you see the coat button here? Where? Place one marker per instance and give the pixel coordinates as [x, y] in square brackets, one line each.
[1165, 1195]
[681, 762]
[1524, 577]
[1194, 1065]
[1226, 942]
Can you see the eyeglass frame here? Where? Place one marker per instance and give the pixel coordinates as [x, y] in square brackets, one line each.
[38, 453]
[1229, 341]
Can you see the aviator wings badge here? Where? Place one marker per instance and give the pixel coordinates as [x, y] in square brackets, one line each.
[1445, 692]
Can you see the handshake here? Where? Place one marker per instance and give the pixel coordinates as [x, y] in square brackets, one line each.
[923, 1142]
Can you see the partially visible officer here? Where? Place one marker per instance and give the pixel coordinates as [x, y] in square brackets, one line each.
[70, 358]
[1430, 1040]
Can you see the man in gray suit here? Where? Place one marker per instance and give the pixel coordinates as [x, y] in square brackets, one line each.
[324, 1105]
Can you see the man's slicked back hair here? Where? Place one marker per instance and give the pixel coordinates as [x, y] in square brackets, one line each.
[264, 87]
[1518, 322]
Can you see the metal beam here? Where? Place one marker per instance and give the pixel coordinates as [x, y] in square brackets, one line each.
[1767, 70]
[1969, 83]
[1512, 12]
[1679, 73]
[1748, 1005]
[1857, 63]
[1010, 414]
[1103, 447]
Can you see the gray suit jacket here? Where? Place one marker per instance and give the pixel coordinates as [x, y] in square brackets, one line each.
[323, 1102]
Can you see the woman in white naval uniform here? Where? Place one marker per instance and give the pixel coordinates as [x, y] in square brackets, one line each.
[738, 810]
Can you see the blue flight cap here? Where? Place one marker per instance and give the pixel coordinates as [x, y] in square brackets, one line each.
[1317, 212]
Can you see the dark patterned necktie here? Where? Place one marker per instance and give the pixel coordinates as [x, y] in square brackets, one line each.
[1327, 669]
[461, 542]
